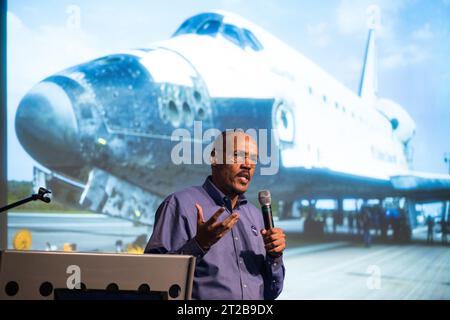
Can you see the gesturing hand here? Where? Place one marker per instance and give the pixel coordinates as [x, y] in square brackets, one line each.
[211, 231]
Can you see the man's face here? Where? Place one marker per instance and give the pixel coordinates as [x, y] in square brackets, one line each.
[235, 171]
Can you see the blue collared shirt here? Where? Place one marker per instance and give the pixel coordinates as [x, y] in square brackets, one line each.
[236, 267]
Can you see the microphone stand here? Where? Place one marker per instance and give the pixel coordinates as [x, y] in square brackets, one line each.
[41, 195]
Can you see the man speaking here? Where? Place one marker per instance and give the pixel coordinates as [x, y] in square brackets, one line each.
[236, 257]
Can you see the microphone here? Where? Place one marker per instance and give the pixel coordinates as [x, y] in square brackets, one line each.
[265, 201]
[44, 195]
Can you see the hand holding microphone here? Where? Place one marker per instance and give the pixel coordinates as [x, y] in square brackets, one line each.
[274, 238]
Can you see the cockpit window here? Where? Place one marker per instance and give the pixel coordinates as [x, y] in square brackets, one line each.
[212, 23]
[233, 34]
[210, 27]
[199, 24]
[183, 28]
[251, 40]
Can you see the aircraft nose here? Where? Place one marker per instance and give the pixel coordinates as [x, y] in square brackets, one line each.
[46, 126]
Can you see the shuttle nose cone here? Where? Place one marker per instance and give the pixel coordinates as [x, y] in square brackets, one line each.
[47, 128]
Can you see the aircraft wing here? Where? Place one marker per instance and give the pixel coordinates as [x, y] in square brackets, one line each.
[423, 187]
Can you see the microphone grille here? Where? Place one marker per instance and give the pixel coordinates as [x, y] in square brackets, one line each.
[264, 198]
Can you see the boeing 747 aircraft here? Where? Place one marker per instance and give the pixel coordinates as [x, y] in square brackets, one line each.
[104, 128]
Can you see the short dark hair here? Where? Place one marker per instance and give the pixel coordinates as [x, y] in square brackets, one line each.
[221, 136]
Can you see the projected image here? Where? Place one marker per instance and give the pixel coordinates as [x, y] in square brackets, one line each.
[113, 107]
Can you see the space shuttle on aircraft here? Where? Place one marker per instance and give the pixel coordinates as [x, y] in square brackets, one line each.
[103, 129]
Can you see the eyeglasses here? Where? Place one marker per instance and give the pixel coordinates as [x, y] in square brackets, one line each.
[241, 156]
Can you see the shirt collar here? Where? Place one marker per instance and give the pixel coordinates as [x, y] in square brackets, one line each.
[219, 198]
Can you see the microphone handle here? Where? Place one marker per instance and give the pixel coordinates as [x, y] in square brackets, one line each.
[267, 215]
